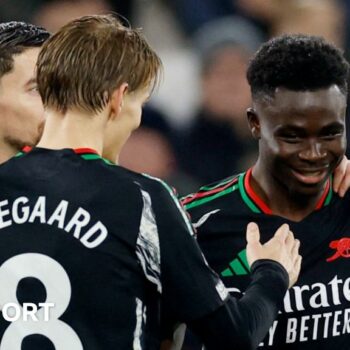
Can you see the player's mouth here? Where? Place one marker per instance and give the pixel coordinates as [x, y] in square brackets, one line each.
[310, 176]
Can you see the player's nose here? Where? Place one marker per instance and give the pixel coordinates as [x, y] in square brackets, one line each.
[313, 151]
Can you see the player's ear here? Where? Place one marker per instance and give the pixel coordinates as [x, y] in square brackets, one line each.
[117, 99]
[253, 122]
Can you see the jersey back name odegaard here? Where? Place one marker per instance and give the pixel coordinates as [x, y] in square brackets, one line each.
[316, 311]
[21, 211]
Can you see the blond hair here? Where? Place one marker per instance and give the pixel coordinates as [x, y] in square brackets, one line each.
[88, 58]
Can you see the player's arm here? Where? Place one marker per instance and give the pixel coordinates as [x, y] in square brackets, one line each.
[259, 303]
[195, 294]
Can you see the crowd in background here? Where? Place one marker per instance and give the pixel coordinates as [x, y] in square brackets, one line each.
[194, 130]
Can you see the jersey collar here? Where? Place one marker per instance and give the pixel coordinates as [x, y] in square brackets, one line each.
[257, 205]
[27, 149]
[85, 153]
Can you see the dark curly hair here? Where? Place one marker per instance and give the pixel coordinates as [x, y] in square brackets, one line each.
[15, 37]
[297, 62]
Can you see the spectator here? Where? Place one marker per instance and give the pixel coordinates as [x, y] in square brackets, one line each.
[315, 17]
[54, 14]
[217, 144]
[192, 14]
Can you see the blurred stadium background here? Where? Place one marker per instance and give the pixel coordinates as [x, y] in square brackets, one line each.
[194, 129]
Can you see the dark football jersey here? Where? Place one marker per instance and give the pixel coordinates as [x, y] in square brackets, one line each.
[316, 311]
[98, 250]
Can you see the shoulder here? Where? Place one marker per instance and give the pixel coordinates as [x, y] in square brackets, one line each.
[131, 184]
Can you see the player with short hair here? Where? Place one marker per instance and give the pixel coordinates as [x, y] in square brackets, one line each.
[299, 92]
[21, 110]
[101, 250]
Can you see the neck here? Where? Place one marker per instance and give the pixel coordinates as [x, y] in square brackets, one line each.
[118, 132]
[74, 129]
[112, 154]
[279, 199]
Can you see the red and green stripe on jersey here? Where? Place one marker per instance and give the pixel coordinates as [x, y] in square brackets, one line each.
[24, 151]
[209, 193]
[85, 153]
[90, 154]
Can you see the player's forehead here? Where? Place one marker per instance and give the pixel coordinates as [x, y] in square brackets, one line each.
[23, 67]
[285, 101]
[26, 59]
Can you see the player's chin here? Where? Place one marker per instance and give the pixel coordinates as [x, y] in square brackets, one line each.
[309, 188]
[296, 186]
[33, 138]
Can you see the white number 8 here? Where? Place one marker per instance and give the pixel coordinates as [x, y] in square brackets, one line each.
[58, 291]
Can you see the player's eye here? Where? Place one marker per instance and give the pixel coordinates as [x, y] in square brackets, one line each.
[290, 138]
[332, 135]
[33, 88]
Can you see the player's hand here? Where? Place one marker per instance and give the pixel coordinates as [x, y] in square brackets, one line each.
[341, 181]
[282, 247]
